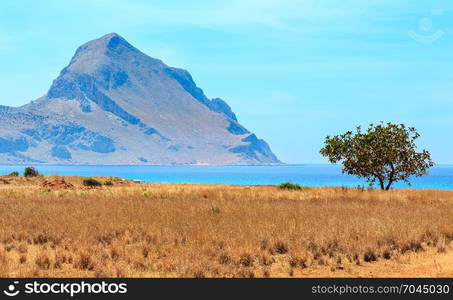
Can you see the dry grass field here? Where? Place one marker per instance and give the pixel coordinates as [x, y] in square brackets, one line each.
[56, 227]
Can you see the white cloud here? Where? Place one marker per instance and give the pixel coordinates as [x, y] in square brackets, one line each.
[277, 14]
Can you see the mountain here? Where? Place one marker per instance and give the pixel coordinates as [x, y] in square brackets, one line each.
[115, 105]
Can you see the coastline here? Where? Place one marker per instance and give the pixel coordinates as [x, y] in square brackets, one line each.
[439, 177]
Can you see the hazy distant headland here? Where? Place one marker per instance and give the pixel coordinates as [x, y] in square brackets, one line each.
[115, 105]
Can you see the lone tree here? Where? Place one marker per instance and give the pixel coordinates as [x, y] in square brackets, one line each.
[385, 153]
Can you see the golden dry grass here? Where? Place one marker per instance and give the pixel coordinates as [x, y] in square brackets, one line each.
[173, 230]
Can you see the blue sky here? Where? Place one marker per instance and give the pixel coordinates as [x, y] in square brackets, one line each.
[293, 71]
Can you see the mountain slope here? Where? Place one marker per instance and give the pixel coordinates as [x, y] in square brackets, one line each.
[115, 105]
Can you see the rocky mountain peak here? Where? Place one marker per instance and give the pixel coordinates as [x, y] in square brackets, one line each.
[115, 104]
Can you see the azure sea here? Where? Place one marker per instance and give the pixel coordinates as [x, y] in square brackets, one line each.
[439, 177]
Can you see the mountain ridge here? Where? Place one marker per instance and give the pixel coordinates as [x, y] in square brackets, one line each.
[113, 104]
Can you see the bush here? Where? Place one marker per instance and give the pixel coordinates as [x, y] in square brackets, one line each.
[13, 174]
[30, 172]
[108, 183]
[290, 186]
[91, 182]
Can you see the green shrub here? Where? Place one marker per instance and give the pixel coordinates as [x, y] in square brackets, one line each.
[30, 172]
[91, 182]
[13, 174]
[290, 186]
[108, 183]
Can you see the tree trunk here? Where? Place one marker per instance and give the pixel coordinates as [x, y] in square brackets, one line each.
[388, 185]
[381, 182]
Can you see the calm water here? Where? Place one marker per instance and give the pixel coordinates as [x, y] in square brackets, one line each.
[440, 177]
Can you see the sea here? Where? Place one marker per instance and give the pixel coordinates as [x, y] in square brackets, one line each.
[310, 175]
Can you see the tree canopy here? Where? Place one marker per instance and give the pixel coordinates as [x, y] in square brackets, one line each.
[385, 153]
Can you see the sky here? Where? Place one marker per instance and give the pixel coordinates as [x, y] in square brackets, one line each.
[292, 71]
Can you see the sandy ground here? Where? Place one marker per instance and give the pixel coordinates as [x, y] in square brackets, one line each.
[421, 264]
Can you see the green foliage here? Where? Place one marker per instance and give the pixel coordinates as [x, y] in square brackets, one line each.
[13, 174]
[30, 172]
[385, 153]
[108, 183]
[290, 186]
[91, 182]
